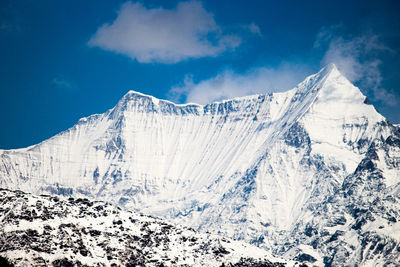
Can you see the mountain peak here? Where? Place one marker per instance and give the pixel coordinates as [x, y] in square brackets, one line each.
[337, 97]
[328, 69]
[135, 95]
[331, 71]
[336, 85]
[330, 84]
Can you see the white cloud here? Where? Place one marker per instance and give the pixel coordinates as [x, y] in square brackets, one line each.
[164, 35]
[358, 59]
[229, 84]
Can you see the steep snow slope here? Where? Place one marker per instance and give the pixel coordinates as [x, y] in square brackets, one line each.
[252, 168]
[48, 231]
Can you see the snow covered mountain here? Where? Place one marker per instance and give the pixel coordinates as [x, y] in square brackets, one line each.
[312, 173]
[48, 231]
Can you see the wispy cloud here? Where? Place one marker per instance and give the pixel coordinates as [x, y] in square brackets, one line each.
[357, 57]
[165, 35]
[229, 84]
[62, 82]
[253, 28]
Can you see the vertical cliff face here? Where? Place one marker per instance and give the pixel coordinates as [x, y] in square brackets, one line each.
[257, 168]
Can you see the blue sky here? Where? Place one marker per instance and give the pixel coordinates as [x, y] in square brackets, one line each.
[63, 60]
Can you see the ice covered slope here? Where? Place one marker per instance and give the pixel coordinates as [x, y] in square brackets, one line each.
[252, 168]
[48, 231]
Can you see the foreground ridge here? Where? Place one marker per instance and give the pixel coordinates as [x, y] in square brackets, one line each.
[46, 230]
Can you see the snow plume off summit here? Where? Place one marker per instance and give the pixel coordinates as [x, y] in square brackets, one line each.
[310, 174]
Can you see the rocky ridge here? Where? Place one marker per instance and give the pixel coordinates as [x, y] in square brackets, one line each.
[52, 231]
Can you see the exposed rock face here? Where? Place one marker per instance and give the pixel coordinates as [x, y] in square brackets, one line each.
[359, 222]
[286, 171]
[49, 231]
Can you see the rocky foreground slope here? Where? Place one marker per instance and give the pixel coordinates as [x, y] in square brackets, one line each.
[49, 231]
[312, 173]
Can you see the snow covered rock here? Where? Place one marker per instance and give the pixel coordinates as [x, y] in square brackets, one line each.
[260, 168]
[46, 230]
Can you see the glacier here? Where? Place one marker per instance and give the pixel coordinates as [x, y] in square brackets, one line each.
[311, 174]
